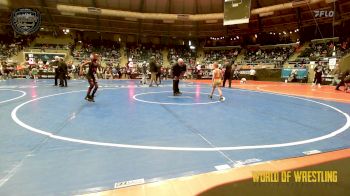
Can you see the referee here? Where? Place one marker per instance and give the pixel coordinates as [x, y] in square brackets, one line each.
[178, 70]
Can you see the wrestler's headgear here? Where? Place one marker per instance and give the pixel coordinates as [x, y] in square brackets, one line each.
[94, 56]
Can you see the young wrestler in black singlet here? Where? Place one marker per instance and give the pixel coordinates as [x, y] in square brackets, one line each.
[91, 76]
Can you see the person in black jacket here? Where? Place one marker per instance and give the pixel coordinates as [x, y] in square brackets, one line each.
[178, 70]
[153, 70]
[227, 74]
[63, 72]
[159, 74]
[318, 75]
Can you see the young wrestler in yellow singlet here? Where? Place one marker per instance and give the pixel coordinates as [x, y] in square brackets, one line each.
[216, 81]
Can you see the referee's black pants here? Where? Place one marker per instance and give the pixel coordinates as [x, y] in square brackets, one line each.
[176, 86]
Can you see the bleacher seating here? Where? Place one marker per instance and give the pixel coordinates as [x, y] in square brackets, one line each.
[219, 56]
[141, 53]
[320, 50]
[109, 51]
[276, 56]
[184, 52]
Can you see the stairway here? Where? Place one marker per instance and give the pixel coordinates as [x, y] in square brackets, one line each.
[295, 55]
[200, 56]
[123, 55]
[240, 57]
[166, 62]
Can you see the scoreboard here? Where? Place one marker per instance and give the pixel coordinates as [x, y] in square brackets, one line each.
[236, 11]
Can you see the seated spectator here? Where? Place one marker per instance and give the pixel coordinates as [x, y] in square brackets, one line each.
[276, 56]
[220, 56]
[183, 52]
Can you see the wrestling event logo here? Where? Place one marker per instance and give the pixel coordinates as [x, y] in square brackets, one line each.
[25, 21]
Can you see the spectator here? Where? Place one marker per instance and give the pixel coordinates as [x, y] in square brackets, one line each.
[153, 70]
[227, 74]
[144, 73]
[252, 74]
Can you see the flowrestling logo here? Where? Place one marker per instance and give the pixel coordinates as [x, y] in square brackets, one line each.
[323, 13]
[25, 21]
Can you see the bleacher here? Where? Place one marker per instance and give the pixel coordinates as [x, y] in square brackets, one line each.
[320, 49]
[218, 54]
[184, 52]
[109, 51]
[275, 55]
[140, 53]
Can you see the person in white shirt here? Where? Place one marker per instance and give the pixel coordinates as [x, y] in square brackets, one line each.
[252, 73]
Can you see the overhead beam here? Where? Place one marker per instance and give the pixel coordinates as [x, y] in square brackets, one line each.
[203, 33]
[158, 16]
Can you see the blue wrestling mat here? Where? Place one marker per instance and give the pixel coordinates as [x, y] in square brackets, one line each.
[53, 142]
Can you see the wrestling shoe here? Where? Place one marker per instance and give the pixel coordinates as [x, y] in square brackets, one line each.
[91, 98]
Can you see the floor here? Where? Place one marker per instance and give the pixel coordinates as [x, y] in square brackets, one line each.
[53, 142]
[238, 181]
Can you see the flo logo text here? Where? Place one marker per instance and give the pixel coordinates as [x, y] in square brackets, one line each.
[322, 13]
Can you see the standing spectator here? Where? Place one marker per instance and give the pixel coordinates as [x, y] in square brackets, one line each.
[63, 70]
[108, 73]
[114, 73]
[252, 74]
[159, 74]
[73, 70]
[127, 70]
[35, 73]
[7, 71]
[119, 72]
[165, 72]
[227, 74]
[318, 75]
[144, 73]
[153, 70]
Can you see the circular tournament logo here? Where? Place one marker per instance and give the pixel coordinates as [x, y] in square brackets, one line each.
[25, 21]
